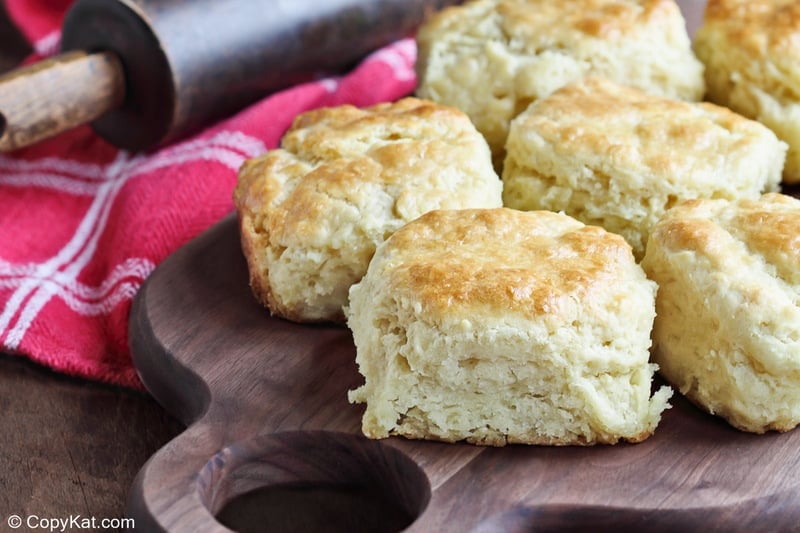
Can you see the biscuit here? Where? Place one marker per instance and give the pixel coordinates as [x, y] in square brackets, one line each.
[727, 331]
[751, 52]
[617, 157]
[312, 212]
[499, 326]
[492, 58]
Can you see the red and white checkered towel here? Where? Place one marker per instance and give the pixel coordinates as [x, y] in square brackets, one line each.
[82, 223]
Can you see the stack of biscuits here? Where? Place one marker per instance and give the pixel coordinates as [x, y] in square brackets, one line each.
[554, 217]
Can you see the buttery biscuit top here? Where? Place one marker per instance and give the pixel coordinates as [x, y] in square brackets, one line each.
[643, 133]
[533, 25]
[504, 262]
[764, 28]
[760, 39]
[716, 230]
[330, 155]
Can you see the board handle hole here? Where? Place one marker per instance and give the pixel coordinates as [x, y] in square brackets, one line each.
[313, 481]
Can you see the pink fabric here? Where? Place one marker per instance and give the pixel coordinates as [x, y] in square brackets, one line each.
[82, 223]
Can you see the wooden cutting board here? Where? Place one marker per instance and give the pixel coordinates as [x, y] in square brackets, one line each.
[272, 442]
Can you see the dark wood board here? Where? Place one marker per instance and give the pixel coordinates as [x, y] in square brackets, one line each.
[268, 421]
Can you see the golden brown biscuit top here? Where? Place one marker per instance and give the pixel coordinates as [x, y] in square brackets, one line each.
[639, 131]
[503, 262]
[349, 131]
[768, 227]
[531, 24]
[603, 19]
[765, 28]
[336, 162]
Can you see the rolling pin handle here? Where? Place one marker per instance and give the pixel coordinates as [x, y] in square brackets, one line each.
[57, 94]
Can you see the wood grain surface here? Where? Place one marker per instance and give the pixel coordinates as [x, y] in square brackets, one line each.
[265, 402]
[51, 96]
[70, 447]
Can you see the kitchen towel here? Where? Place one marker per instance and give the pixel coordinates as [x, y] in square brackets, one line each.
[83, 224]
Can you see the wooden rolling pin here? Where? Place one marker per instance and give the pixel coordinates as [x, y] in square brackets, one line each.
[146, 72]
